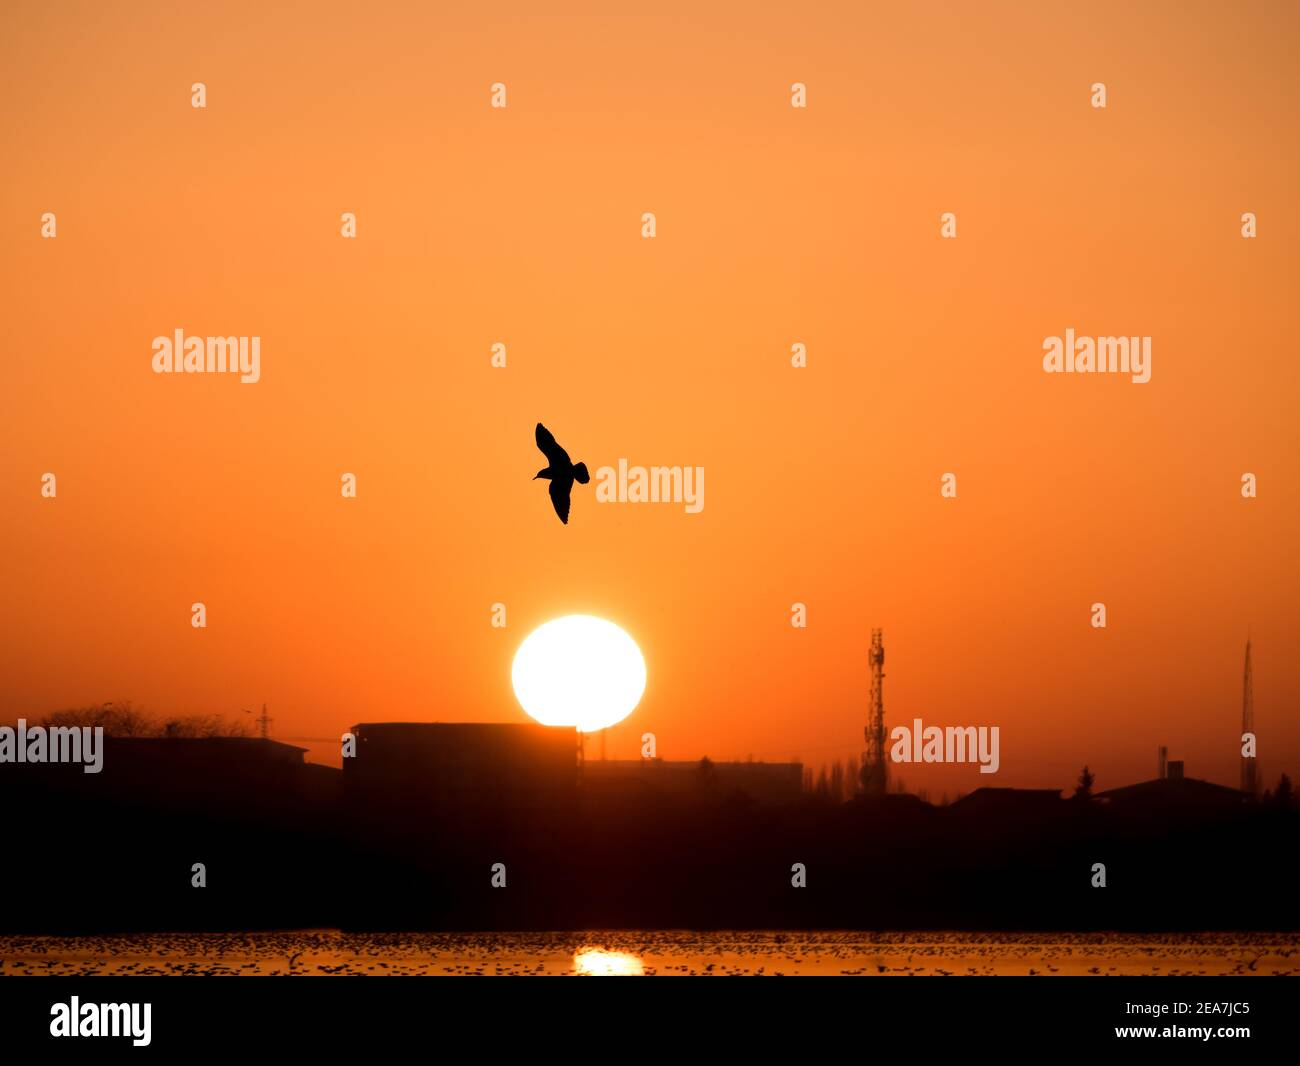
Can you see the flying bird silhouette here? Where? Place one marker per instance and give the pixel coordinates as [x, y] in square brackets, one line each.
[561, 472]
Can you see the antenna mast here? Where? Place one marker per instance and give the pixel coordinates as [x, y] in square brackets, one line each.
[1248, 776]
[875, 768]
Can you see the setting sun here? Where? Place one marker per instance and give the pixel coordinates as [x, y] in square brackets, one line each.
[579, 671]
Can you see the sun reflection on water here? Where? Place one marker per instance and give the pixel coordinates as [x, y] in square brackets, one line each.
[596, 962]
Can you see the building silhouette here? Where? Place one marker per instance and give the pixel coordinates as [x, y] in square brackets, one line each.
[462, 763]
[1174, 794]
[761, 782]
[425, 819]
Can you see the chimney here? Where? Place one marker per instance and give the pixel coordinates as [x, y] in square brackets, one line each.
[1175, 770]
[1164, 758]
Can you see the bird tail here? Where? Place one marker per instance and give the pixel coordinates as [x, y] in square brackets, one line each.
[580, 474]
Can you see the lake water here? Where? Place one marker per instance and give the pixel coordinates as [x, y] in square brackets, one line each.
[323, 952]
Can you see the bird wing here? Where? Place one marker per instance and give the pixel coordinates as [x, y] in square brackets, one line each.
[559, 489]
[557, 455]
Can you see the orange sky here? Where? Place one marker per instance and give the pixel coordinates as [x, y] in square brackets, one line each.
[776, 226]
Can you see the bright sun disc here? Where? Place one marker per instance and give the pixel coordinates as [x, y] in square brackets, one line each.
[578, 671]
